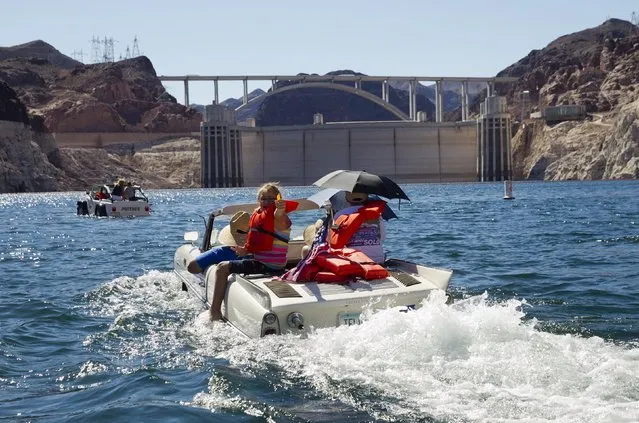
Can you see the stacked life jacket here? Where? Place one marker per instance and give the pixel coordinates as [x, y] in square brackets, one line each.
[334, 263]
[343, 264]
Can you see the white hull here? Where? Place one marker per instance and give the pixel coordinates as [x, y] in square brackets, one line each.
[89, 205]
[251, 299]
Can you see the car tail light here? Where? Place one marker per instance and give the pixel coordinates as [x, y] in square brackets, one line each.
[270, 324]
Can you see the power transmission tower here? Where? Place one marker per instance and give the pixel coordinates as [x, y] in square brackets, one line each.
[78, 55]
[634, 19]
[136, 48]
[109, 53]
[96, 53]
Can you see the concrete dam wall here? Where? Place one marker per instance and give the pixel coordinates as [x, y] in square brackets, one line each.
[405, 151]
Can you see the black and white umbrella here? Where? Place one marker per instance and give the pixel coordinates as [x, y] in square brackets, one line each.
[336, 199]
[361, 181]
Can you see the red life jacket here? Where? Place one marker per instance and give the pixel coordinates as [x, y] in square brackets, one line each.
[262, 228]
[346, 225]
[345, 264]
[370, 269]
[335, 263]
[261, 219]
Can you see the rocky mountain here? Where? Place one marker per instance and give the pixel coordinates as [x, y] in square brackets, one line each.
[41, 50]
[61, 95]
[124, 96]
[297, 107]
[597, 68]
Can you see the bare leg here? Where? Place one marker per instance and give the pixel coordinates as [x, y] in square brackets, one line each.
[193, 267]
[221, 281]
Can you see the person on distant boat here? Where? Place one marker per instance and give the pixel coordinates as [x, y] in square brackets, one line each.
[267, 241]
[129, 192]
[103, 194]
[231, 235]
[118, 190]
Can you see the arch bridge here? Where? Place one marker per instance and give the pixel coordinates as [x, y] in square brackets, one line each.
[337, 82]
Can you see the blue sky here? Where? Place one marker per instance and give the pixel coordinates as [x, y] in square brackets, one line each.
[283, 37]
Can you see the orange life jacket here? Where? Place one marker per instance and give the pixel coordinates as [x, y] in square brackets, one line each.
[262, 228]
[370, 269]
[342, 265]
[261, 221]
[338, 265]
[347, 224]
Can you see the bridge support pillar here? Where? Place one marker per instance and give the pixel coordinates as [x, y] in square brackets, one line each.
[217, 93]
[494, 155]
[412, 99]
[464, 100]
[438, 101]
[245, 91]
[411, 112]
[186, 92]
[385, 90]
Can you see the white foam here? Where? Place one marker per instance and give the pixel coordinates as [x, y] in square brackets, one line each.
[471, 361]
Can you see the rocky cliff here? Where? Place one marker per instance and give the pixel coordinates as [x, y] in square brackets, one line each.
[597, 68]
[30, 160]
[43, 92]
[103, 97]
[23, 164]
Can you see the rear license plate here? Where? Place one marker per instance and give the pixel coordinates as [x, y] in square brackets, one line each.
[348, 318]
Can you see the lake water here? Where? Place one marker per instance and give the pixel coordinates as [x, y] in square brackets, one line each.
[545, 324]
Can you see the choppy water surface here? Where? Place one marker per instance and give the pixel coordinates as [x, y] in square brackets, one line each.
[545, 326]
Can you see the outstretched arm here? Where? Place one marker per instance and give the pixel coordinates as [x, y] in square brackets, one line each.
[282, 220]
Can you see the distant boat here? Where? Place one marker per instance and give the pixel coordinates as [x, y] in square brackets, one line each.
[97, 201]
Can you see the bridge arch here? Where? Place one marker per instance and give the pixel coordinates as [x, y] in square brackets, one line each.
[331, 85]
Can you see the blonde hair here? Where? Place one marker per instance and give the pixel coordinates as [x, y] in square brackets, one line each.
[269, 187]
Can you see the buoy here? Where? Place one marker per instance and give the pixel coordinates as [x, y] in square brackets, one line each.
[508, 190]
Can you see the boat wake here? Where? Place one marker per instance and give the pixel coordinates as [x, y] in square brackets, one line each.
[475, 360]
